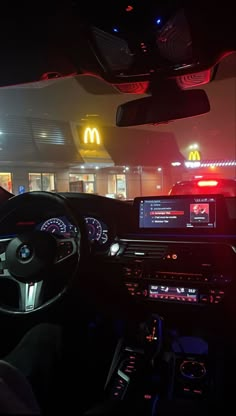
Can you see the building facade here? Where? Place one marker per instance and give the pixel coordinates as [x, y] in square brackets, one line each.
[49, 155]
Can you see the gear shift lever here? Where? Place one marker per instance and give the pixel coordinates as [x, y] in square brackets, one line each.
[151, 336]
[133, 376]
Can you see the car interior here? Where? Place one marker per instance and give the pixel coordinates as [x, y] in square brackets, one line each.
[143, 289]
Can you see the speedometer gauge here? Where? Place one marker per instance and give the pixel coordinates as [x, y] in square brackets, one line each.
[54, 226]
[94, 228]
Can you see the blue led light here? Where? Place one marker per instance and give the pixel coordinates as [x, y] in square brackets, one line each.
[158, 21]
[115, 29]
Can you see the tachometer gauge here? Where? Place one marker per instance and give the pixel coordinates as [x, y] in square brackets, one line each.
[54, 226]
[94, 228]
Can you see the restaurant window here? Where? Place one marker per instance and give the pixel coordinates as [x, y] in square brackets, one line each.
[82, 182]
[117, 186]
[42, 182]
[6, 181]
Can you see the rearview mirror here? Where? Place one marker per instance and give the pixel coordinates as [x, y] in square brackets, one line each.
[163, 108]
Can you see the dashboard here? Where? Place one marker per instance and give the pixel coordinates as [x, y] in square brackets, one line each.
[164, 251]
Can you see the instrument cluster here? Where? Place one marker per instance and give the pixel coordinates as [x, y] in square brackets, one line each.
[97, 230]
[59, 226]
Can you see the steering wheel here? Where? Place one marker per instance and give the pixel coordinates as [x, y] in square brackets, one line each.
[36, 266]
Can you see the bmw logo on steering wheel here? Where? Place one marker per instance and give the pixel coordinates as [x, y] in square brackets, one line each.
[24, 253]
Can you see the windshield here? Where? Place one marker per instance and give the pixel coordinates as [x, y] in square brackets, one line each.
[60, 135]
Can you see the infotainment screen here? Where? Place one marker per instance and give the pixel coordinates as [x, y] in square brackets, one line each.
[177, 212]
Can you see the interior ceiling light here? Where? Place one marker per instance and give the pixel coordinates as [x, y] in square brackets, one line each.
[129, 8]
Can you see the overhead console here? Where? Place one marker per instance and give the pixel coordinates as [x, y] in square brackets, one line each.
[182, 250]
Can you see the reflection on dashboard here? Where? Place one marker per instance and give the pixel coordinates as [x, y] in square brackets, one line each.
[97, 230]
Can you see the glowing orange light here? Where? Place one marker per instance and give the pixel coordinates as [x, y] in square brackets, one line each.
[207, 183]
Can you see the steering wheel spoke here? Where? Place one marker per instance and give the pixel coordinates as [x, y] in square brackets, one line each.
[30, 296]
[4, 272]
[65, 249]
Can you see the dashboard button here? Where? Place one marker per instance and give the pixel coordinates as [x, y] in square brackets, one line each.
[204, 298]
[211, 298]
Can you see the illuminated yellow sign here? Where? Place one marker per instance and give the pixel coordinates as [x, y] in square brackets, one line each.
[92, 136]
[194, 155]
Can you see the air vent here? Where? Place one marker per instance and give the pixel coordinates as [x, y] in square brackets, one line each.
[140, 249]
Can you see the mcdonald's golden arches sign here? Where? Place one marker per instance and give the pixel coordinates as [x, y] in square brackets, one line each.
[91, 136]
[194, 155]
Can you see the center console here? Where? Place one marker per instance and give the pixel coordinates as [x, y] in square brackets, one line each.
[174, 254]
[178, 261]
[151, 369]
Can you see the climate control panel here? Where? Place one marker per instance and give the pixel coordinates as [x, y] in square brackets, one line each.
[179, 294]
